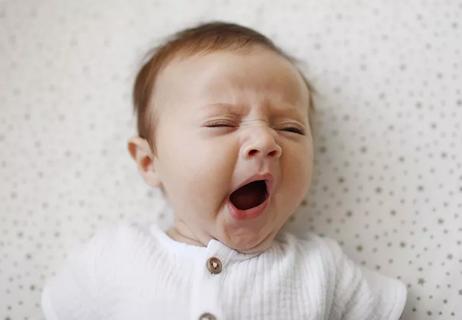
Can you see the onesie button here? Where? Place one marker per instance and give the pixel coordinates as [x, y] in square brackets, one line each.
[214, 266]
[207, 316]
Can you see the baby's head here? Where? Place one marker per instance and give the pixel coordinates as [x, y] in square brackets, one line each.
[219, 106]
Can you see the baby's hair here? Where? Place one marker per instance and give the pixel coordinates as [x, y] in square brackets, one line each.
[204, 38]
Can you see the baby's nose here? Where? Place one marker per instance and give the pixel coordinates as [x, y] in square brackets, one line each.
[261, 141]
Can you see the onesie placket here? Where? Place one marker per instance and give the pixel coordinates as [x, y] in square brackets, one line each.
[209, 274]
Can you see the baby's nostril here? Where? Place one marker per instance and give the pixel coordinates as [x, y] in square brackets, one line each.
[272, 153]
[252, 152]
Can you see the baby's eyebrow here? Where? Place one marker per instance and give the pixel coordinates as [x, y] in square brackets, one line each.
[236, 109]
[229, 108]
[222, 105]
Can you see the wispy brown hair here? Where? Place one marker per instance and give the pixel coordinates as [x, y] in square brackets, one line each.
[204, 38]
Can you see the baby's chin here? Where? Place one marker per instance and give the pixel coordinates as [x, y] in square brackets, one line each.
[248, 243]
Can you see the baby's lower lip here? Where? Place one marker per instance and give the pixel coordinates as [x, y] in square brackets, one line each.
[239, 214]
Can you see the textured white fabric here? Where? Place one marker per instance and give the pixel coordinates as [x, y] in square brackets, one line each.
[127, 272]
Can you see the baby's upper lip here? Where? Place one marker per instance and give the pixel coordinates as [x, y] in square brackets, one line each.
[266, 176]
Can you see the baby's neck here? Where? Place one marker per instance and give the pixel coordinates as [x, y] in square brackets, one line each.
[178, 236]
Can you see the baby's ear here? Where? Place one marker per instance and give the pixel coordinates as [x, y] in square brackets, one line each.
[141, 152]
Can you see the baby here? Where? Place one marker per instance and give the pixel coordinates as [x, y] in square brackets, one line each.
[224, 130]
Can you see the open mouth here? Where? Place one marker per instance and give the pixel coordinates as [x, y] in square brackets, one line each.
[250, 195]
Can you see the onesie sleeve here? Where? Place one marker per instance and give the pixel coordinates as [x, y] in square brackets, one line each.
[77, 289]
[360, 293]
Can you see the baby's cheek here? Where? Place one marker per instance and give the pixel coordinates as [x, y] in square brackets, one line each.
[298, 176]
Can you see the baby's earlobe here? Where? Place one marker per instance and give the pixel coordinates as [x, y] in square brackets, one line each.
[145, 162]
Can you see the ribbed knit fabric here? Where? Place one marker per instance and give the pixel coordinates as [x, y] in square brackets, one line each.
[127, 272]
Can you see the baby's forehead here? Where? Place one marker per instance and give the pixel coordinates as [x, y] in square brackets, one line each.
[253, 55]
[257, 68]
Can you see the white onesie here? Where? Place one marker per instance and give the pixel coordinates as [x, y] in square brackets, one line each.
[128, 272]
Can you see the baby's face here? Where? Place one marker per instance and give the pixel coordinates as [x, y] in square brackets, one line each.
[224, 117]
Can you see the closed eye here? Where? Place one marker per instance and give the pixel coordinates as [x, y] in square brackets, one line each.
[232, 125]
[294, 130]
[219, 124]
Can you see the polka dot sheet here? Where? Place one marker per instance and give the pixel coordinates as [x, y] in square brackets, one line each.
[387, 181]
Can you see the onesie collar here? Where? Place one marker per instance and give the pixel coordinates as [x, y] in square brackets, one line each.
[214, 248]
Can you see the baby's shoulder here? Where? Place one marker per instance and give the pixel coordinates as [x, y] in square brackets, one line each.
[99, 271]
[119, 241]
[367, 290]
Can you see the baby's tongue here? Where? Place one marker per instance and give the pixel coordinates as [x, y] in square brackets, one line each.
[249, 196]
